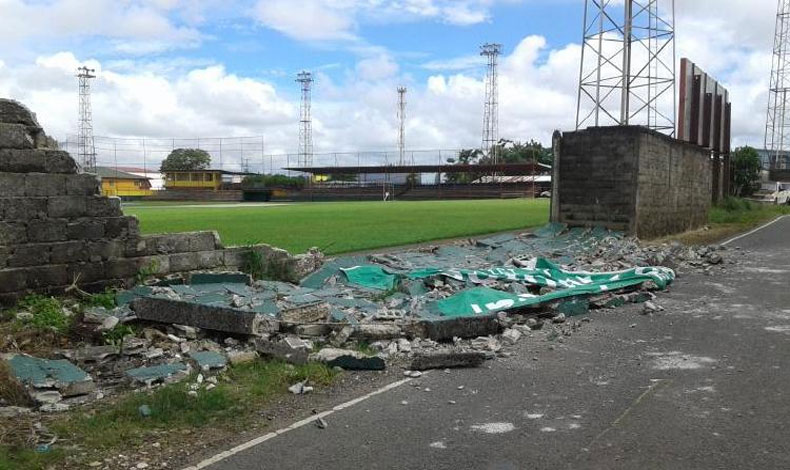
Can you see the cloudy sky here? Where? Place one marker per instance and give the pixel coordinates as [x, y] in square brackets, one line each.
[171, 69]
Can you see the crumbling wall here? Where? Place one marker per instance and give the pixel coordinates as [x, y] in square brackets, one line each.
[56, 228]
[632, 179]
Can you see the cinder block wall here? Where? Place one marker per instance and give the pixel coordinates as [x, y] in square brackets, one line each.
[56, 228]
[632, 179]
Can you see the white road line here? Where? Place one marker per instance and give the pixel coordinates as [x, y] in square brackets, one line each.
[755, 230]
[259, 440]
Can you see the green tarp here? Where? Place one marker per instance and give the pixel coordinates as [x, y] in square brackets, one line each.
[483, 300]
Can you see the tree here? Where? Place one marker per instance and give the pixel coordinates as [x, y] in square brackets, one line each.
[746, 171]
[186, 159]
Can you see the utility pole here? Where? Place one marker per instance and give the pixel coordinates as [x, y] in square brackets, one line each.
[777, 137]
[86, 146]
[627, 70]
[491, 108]
[305, 79]
[402, 126]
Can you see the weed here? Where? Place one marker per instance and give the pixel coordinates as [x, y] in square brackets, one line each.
[366, 349]
[116, 335]
[105, 299]
[253, 263]
[382, 296]
[47, 313]
[147, 272]
[257, 266]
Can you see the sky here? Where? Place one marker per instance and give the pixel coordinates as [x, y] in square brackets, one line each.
[187, 69]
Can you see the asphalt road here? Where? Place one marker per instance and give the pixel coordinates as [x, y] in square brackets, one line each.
[703, 384]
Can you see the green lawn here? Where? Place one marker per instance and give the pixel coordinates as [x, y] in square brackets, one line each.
[346, 226]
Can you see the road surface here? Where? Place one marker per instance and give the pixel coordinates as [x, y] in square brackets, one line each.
[702, 385]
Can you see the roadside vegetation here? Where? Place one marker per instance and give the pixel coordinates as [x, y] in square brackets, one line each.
[170, 413]
[729, 218]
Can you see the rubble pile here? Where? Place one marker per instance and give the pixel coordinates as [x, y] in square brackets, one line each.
[454, 305]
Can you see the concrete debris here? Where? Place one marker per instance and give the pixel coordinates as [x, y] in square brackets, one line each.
[290, 349]
[49, 381]
[167, 373]
[300, 388]
[511, 336]
[108, 323]
[414, 374]
[320, 423]
[348, 359]
[209, 360]
[13, 411]
[446, 359]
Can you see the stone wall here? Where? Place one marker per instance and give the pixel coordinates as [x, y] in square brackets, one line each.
[632, 179]
[56, 228]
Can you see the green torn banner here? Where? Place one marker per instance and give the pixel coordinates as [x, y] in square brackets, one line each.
[483, 300]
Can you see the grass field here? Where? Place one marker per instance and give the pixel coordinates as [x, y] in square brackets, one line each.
[346, 226]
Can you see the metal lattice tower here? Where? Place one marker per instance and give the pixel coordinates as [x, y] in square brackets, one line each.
[491, 110]
[402, 125]
[86, 147]
[305, 79]
[777, 128]
[627, 72]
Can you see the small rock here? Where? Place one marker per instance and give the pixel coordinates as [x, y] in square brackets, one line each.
[412, 373]
[108, 323]
[320, 423]
[300, 388]
[175, 338]
[141, 465]
[511, 336]
[559, 318]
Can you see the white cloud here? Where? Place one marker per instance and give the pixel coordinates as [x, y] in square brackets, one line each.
[311, 20]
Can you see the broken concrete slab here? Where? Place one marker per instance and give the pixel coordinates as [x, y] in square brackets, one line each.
[445, 329]
[446, 360]
[208, 317]
[161, 373]
[348, 359]
[377, 331]
[60, 374]
[292, 350]
[315, 311]
[90, 353]
[207, 360]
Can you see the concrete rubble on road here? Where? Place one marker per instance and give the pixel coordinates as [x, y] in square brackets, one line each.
[436, 307]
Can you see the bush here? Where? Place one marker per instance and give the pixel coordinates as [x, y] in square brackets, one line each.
[732, 204]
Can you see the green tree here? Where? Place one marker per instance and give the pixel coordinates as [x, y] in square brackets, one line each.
[186, 159]
[465, 157]
[745, 171]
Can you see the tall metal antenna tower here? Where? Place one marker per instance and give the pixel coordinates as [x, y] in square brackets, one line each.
[305, 79]
[491, 111]
[777, 128]
[627, 72]
[401, 125]
[86, 147]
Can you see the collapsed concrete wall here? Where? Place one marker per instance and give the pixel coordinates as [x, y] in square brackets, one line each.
[56, 228]
[632, 179]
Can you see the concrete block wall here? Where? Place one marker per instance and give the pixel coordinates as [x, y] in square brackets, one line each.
[632, 179]
[56, 228]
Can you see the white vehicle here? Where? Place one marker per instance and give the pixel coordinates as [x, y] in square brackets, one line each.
[781, 194]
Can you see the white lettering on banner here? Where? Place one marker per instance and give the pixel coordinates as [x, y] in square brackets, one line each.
[500, 304]
[476, 308]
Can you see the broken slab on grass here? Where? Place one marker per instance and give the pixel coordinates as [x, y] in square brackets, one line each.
[445, 329]
[289, 349]
[227, 320]
[447, 359]
[57, 375]
[207, 360]
[161, 373]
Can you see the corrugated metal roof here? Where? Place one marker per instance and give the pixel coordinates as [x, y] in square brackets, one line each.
[109, 172]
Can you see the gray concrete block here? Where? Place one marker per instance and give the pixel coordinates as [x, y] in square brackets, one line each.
[210, 259]
[203, 316]
[36, 161]
[12, 185]
[446, 360]
[106, 250]
[47, 230]
[88, 273]
[13, 280]
[123, 268]
[45, 184]
[462, 327]
[181, 262]
[85, 229]
[204, 241]
[30, 254]
[65, 206]
[234, 257]
[82, 185]
[15, 136]
[23, 208]
[99, 206]
[69, 252]
[14, 112]
[121, 227]
[12, 233]
[47, 276]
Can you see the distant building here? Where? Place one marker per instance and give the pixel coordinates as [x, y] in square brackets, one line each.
[153, 175]
[211, 180]
[765, 159]
[115, 182]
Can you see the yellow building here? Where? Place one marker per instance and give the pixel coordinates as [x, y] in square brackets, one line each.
[122, 184]
[213, 180]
